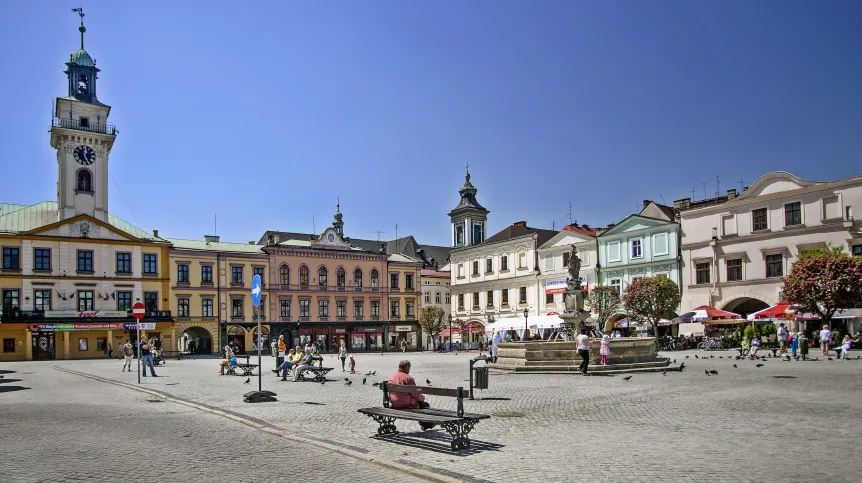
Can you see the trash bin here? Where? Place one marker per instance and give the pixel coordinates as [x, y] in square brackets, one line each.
[480, 377]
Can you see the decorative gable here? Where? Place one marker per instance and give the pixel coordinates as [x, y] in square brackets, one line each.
[83, 227]
[330, 239]
[776, 182]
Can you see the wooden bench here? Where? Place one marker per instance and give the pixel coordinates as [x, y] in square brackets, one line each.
[457, 423]
[319, 371]
[247, 369]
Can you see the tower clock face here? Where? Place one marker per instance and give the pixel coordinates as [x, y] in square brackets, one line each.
[84, 155]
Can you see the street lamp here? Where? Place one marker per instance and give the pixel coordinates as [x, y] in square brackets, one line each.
[449, 344]
[526, 313]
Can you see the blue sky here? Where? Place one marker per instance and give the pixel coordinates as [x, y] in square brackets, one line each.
[266, 112]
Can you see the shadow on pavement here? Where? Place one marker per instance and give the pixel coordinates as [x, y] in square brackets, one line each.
[4, 371]
[6, 381]
[436, 441]
[12, 388]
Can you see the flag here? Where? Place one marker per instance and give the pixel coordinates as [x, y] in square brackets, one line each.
[100, 295]
[72, 295]
[114, 296]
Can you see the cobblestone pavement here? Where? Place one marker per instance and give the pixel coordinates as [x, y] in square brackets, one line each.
[784, 421]
[70, 428]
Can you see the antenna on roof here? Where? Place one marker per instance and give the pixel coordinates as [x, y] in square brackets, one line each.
[741, 184]
[717, 186]
[313, 228]
[378, 233]
[704, 190]
[396, 228]
[215, 224]
[571, 220]
[693, 191]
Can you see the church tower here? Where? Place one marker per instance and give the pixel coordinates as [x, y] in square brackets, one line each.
[469, 217]
[338, 220]
[83, 139]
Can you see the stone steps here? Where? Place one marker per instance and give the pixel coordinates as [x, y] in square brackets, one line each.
[657, 366]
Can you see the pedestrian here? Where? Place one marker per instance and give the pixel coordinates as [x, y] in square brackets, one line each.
[803, 345]
[782, 338]
[352, 365]
[605, 349]
[342, 354]
[127, 352]
[120, 350]
[584, 351]
[845, 346]
[825, 336]
[273, 346]
[403, 345]
[110, 354]
[147, 358]
[794, 343]
[280, 348]
[495, 345]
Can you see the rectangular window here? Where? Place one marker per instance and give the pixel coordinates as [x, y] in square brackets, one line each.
[410, 309]
[43, 299]
[856, 250]
[504, 263]
[9, 345]
[504, 296]
[489, 265]
[42, 259]
[614, 251]
[183, 308]
[475, 268]
[11, 300]
[566, 256]
[448, 298]
[341, 308]
[734, 270]
[258, 271]
[85, 300]
[408, 281]
[460, 270]
[236, 308]
[427, 297]
[396, 308]
[85, 260]
[393, 280]
[774, 265]
[549, 298]
[124, 300]
[207, 307]
[437, 298]
[84, 121]
[759, 219]
[11, 258]
[523, 295]
[617, 284]
[460, 301]
[182, 273]
[522, 260]
[323, 308]
[124, 263]
[304, 308]
[702, 273]
[235, 274]
[375, 308]
[636, 278]
[358, 308]
[659, 244]
[549, 262]
[151, 301]
[637, 248]
[476, 300]
[793, 214]
[151, 264]
[303, 277]
[285, 308]
[489, 298]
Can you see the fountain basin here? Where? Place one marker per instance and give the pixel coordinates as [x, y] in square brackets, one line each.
[627, 353]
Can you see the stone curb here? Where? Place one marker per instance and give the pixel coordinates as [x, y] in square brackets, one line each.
[419, 473]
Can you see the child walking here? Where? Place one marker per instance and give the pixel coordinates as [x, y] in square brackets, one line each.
[605, 349]
[352, 364]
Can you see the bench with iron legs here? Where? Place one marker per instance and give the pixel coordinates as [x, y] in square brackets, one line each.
[319, 371]
[247, 369]
[457, 423]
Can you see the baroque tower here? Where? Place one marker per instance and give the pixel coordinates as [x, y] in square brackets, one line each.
[83, 140]
[469, 217]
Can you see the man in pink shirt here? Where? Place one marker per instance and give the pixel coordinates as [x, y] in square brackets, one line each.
[407, 400]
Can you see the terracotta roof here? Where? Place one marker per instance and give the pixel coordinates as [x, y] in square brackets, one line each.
[582, 229]
[435, 273]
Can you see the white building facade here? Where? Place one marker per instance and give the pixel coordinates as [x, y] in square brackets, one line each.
[554, 265]
[735, 254]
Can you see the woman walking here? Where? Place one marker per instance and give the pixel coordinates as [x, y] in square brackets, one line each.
[342, 354]
[584, 351]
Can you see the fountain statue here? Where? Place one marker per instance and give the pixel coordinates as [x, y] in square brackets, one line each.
[574, 315]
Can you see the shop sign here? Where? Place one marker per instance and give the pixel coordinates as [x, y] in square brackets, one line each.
[86, 314]
[555, 285]
[69, 327]
[403, 328]
[141, 326]
[339, 331]
[371, 329]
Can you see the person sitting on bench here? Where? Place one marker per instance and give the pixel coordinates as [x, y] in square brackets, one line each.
[286, 365]
[303, 364]
[228, 355]
[407, 400]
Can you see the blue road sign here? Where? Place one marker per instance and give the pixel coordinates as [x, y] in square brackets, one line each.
[255, 290]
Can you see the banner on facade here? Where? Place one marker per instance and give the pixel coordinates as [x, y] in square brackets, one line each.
[403, 328]
[72, 326]
[555, 285]
[85, 314]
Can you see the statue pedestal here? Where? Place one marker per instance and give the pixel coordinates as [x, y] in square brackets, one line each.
[628, 354]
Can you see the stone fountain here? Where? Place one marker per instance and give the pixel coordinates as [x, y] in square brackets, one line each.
[628, 354]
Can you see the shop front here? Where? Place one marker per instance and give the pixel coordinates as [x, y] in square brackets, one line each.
[87, 340]
[398, 333]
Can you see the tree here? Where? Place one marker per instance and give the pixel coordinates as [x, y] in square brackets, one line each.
[604, 301]
[432, 320]
[649, 300]
[824, 281]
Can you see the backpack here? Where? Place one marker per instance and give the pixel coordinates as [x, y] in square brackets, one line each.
[127, 350]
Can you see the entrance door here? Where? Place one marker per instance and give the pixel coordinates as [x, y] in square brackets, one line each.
[375, 342]
[43, 346]
[236, 339]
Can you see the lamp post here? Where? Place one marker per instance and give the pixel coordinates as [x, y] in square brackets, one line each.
[526, 313]
[449, 344]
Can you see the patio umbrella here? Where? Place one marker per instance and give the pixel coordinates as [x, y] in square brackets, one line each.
[705, 313]
[779, 311]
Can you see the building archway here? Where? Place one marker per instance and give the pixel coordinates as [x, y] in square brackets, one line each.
[745, 306]
[612, 320]
[196, 340]
[236, 339]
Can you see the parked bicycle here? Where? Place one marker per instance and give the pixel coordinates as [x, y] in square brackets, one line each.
[713, 344]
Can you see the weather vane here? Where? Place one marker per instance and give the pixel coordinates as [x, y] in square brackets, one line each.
[82, 29]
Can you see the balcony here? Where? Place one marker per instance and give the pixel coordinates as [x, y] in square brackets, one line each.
[76, 124]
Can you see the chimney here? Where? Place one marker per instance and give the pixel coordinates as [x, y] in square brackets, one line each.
[744, 189]
[520, 223]
[682, 204]
[587, 227]
[731, 194]
[646, 203]
[155, 233]
[211, 238]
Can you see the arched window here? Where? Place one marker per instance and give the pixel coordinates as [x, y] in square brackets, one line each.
[284, 273]
[375, 280]
[303, 276]
[321, 278]
[85, 181]
[357, 278]
[340, 278]
[82, 84]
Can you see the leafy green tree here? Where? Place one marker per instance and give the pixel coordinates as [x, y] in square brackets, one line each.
[824, 281]
[432, 320]
[651, 299]
[604, 302]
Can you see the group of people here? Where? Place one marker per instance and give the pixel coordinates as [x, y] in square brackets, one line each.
[146, 348]
[797, 342]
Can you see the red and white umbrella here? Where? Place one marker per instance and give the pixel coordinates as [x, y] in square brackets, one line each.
[779, 311]
[707, 313]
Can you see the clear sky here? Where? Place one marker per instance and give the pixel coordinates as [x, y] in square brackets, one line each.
[265, 112]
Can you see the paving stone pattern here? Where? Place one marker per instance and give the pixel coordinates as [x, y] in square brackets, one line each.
[744, 424]
[69, 428]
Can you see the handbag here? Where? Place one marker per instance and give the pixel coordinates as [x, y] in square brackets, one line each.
[232, 361]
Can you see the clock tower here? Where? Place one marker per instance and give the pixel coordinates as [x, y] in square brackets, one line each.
[83, 139]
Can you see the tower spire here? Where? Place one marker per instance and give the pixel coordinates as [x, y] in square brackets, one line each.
[82, 29]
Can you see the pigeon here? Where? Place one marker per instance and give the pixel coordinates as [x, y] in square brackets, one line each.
[695, 356]
[376, 384]
[664, 373]
[368, 373]
[346, 379]
[759, 365]
[706, 372]
[720, 357]
[734, 365]
[681, 366]
[373, 373]
[323, 382]
[713, 372]
[828, 358]
[712, 357]
[247, 380]
[674, 361]
[627, 378]
[686, 357]
[428, 381]
[363, 381]
[348, 383]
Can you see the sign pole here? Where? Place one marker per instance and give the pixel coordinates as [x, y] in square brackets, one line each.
[138, 345]
[138, 312]
[259, 366]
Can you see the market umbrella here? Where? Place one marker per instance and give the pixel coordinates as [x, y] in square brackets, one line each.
[779, 311]
[705, 313]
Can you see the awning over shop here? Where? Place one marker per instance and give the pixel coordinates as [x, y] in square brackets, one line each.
[705, 313]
